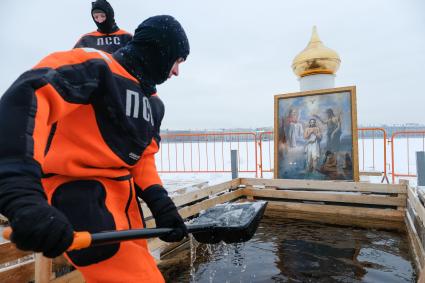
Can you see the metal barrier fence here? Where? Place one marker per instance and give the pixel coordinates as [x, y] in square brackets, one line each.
[266, 145]
[210, 152]
[404, 165]
[206, 152]
[372, 147]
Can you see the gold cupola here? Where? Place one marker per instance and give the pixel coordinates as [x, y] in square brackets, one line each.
[316, 58]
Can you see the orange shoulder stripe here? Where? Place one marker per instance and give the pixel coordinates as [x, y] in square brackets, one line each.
[93, 33]
[62, 58]
[96, 33]
[121, 31]
[81, 55]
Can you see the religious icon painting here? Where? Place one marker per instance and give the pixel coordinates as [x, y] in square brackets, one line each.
[316, 135]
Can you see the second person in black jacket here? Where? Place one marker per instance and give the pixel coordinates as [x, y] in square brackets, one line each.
[108, 36]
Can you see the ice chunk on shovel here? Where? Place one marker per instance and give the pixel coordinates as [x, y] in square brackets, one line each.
[231, 223]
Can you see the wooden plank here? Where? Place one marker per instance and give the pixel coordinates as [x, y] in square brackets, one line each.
[185, 186]
[198, 207]
[145, 209]
[421, 276]
[416, 222]
[192, 210]
[180, 200]
[155, 244]
[3, 219]
[326, 185]
[340, 211]
[370, 173]
[21, 273]
[324, 196]
[188, 211]
[327, 218]
[72, 277]
[365, 217]
[61, 261]
[421, 194]
[43, 268]
[416, 204]
[173, 248]
[417, 250]
[9, 252]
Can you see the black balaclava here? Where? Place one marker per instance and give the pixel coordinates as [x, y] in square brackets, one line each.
[109, 25]
[156, 45]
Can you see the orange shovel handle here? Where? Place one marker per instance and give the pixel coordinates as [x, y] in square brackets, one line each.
[7, 232]
[81, 239]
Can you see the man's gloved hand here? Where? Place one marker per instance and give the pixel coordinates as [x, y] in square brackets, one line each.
[170, 218]
[36, 225]
[41, 228]
[165, 212]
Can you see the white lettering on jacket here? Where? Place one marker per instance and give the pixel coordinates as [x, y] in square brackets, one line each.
[132, 106]
[108, 40]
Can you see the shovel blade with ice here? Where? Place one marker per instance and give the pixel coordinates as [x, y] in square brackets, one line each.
[230, 222]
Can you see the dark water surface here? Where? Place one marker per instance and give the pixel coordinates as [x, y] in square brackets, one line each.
[285, 250]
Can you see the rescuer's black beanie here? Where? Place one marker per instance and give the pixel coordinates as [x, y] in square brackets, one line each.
[156, 45]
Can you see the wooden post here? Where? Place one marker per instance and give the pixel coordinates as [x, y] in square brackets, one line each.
[234, 160]
[43, 268]
[420, 167]
[421, 277]
[404, 182]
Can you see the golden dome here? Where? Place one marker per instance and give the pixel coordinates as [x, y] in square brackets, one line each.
[316, 58]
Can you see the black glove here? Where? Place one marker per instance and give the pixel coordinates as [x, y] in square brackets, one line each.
[165, 212]
[36, 225]
[41, 228]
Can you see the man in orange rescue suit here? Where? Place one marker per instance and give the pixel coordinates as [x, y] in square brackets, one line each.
[108, 36]
[79, 134]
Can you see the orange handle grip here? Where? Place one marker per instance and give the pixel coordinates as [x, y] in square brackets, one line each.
[81, 239]
[7, 232]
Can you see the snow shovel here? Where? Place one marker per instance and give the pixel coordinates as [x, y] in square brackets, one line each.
[231, 223]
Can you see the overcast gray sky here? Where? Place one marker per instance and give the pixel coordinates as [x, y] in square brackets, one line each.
[241, 52]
